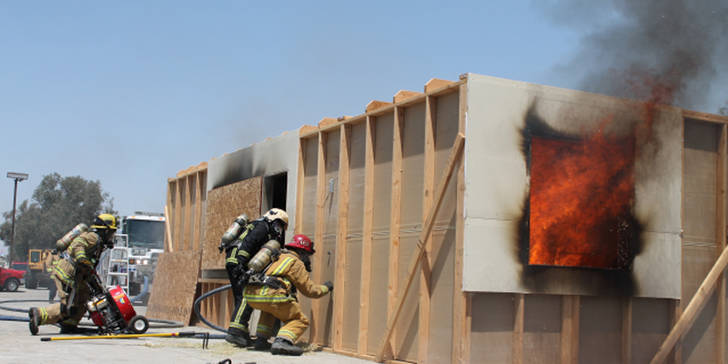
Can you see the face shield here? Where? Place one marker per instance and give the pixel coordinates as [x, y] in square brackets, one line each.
[279, 228]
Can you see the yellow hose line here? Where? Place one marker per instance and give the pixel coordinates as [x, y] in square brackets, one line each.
[119, 336]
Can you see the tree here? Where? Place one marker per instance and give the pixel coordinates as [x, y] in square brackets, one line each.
[58, 204]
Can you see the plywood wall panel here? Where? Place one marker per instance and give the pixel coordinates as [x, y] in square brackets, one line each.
[378, 293]
[443, 269]
[600, 330]
[650, 325]
[175, 282]
[354, 238]
[223, 205]
[382, 173]
[327, 248]
[441, 315]
[413, 139]
[492, 328]
[352, 299]
[308, 223]
[699, 241]
[542, 329]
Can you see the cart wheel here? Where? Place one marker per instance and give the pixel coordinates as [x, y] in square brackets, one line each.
[138, 324]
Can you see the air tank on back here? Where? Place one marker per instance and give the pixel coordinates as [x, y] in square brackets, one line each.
[233, 231]
[62, 243]
[264, 256]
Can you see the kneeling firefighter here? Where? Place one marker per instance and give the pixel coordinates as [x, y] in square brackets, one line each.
[71, 273]
[274, 294]
[241, 242]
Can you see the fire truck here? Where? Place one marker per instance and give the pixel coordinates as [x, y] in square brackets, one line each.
[143, 234]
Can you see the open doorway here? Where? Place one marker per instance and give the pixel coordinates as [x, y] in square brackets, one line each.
[274, 192]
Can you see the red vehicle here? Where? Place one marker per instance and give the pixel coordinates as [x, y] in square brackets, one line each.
[10, 279]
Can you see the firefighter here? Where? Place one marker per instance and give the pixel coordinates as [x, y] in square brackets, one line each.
[276, 296]
[70, 274]
[271, 226]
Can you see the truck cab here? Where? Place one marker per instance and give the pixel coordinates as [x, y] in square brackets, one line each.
[144, 233]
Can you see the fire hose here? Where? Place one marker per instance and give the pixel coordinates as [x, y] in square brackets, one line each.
[196, 307]
[204, 335]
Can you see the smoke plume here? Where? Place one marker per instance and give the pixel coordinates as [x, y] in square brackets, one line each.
[664, 51]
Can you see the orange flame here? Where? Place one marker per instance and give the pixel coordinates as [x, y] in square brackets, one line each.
[581, 200]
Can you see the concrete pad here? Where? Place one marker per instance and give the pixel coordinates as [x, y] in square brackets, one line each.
[18, 346]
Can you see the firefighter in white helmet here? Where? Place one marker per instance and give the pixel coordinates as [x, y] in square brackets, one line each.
[276, 298]
[70, 275]
[271, 226]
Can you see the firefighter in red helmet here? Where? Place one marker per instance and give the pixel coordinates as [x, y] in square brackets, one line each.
[276, 299]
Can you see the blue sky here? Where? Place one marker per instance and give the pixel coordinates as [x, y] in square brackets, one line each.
[129, 93]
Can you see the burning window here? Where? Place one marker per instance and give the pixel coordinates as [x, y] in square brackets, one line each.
[581, 199]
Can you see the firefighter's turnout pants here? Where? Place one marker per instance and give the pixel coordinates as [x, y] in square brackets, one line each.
[70, 310]
[279, 302]
[241, 311]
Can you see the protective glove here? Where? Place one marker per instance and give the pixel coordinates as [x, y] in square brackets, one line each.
[329, 285]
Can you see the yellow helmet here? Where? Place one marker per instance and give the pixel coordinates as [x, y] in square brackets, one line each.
[104, 221]
[276, 214]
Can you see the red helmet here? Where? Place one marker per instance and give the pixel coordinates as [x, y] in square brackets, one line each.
[301, 241]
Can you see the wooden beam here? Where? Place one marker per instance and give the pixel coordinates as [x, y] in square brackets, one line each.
[693, 308]
[461, 330]
[179, 215]
[168, 230]
[720, 234]
[327, 122]
[570, 329]
[423, 334]
[395, 219]
[626, 345]
[402, 95]
[519, 302]
[199, 197]
[436, 83]
[316, 307]
[453, 160]
[298, 226]
[341, 232]
[382, 107]
[713, 118]
[191, 208]
[376, 104]
[187, 225]
[366, 243]
[306, 130]
[675, 313]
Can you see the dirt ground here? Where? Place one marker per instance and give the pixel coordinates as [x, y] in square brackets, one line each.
[18, 346]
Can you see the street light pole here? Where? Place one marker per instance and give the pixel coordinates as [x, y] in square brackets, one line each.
[17, 177]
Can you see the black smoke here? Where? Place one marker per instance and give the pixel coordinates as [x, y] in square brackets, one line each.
[633, 48]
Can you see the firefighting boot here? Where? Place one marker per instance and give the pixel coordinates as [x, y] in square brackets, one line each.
[261, 344]
[33, 320]
[238, 337]
[282, 346]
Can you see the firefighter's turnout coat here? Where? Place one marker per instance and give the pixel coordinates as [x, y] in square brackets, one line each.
[281, 303]
[69, 273]
[255, 234]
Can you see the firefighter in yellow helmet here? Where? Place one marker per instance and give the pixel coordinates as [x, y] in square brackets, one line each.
[71, 272]
[275, 296]
[271, 226]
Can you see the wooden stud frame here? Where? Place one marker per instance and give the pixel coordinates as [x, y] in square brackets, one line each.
[395, 220]
[367, 224]
[427, 200]
[317, 331]
[341, 232]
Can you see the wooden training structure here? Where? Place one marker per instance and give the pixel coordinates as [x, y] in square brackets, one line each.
[382, 195]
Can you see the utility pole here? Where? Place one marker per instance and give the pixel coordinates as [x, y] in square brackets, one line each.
[17, 177]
